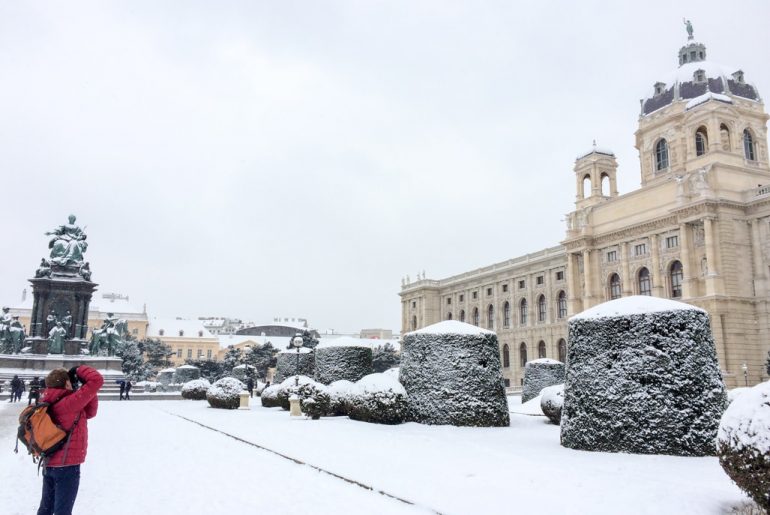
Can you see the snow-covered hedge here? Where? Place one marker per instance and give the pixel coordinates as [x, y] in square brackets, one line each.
[269, 396]
[149, 386]
[735, 393]
[166, 376]
[539, 374]
[242, 372]
[452, 374]
[290, 386]
[342, 358]
[379, 399]
[225, 393]
[286, 363]
[393, 372]
[552, 401]
[743, 443]
[314, 399]
[195, 389]
[643, 377]
[186, 373]
[340, 393]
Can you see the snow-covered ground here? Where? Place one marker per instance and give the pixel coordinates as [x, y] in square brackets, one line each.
[172, 456]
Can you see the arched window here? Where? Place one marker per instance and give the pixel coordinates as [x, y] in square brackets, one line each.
[562, 350]
[414, 323]
[523, 354]
[490, 317]
[523, 312]
[661, 155]
[605, 185]
[562, 304]
[586, 186]
[724, 135]
[462, 315]
[507, 314]
[475, 320]
[701, 141]
[645, 287]
[676, 275]
[449, 316]
[541, 308]
[614, 286]
[541, 349]
[506, 356]
[748, 146]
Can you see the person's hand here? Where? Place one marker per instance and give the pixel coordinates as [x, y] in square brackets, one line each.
[73, 375]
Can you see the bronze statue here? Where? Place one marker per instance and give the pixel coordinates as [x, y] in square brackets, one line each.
[688, 26]
[68, 244]
[56, 339]
[105, 340]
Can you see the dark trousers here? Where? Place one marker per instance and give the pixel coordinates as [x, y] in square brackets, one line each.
[60, 488]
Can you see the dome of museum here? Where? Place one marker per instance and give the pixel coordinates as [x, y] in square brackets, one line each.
[698, 79]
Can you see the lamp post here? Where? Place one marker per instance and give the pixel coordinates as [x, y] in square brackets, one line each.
[297, 342]
[745, 369]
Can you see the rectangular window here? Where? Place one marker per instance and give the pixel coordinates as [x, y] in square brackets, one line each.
[505, 288]
[540, 280]
[134, 331]
[640, 249]
[612, 256]
[449, 301]
[475, 295]
[560, 276]
[414, 304]
[672, 242]
[200, 353]
[522, 284]
[462, 298]
[489, 292]
[208, 354]
[179, 353]
[507, 382]
[189, 353]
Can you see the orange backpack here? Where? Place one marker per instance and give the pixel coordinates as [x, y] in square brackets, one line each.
[40, 433]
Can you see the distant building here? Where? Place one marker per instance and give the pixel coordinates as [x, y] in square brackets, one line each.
[283, 327]
[189, 339]
[378, 334]
[223, 325]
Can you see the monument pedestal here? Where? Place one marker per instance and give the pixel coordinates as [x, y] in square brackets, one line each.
[38, 345]
[73, 347]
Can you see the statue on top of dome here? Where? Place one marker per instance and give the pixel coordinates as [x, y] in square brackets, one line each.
[688, 26]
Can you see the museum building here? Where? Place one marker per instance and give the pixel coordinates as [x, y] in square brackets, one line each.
[697, 230]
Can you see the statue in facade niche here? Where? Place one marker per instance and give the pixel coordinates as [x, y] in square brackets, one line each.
[56, 338]
[105, 340]
[66, 322]
[68, 244]
[688, 26]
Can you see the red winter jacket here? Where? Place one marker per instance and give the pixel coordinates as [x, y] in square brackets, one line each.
[68, 405]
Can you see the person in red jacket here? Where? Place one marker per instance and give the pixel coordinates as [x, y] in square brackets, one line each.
[71, 409]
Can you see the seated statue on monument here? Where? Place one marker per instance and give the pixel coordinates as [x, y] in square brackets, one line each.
[17, 335]
[68, 244]
[105, 340]
[56, 338]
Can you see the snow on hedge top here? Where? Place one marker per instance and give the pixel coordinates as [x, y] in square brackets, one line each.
[302, 350]
[226, 387]
[291, 381]
[545, 361]
[172, 370]
[243, 367]
[452, 327]
[634, 305]
[379, 383]
[344, 341]
[183, 366]
[746, 421]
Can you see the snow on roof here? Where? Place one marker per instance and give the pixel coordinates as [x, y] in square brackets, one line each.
[598, 150]
[706, 97]
[225, 340]
[452, 327]
[546, 361]
[171, 328]
[686, 73]
[302, 350]
[345, 341]
[634, 305]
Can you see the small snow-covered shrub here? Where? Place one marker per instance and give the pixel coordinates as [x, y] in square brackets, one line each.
[314, 400]
[195, 389]
[242, 372]
[452, 374]
[743, 444]
[552, 401]
[259, 387]
[166, 376]
[643, 377]
[186, 373]
[290, 387]
[393, 372]
[225, 393]
[149, 386]
[269, 396]
[379, 399]
[735, 393]
[342, 358]
[539, 374]
[286, 363]
[340, 393]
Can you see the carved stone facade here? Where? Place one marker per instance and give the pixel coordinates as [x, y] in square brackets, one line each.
[697, 230]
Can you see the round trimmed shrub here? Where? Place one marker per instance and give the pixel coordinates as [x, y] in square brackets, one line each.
[242, 372]
[452, 374]
[225, 393]
[643, 377]
[735, 393]
[379, 399]
[269, 396]
[195, 389]
[314, 400]
[342, 358]
[552, 401]
[340, 393]
[394, 373]
[286, 363]
[743, 443]
[539, 374]
[166, 376]
[186, 373]
[289, 387]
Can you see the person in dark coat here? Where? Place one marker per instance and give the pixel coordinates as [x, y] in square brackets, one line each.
[34, 390]
[128, 389]
[250, 386]
[16, 387]
[122, 389]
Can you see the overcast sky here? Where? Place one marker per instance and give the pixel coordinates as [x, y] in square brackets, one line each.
[261, 159]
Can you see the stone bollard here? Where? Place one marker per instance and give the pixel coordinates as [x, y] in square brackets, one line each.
[294, 409]
[244, 400]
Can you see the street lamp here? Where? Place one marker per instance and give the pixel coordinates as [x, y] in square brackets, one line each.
[297, 342]
[745, 369]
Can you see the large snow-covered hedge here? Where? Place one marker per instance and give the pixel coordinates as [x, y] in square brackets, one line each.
[552, 401]
[195, 389]
[225, 393]
[643, 377]
[166, 376]
[242, 372]
[340, 393]
[186, 373]
[743, 443]
[286, 363]
[452, 374]
[342, 358]
[539, 374]
[269, 396]
[379, 399]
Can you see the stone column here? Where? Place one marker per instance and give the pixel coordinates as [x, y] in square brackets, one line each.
[687, 275]
[657, 283]
[760, 271]
[574, 304]
[711, 256]
[626, 281]
[588, 294]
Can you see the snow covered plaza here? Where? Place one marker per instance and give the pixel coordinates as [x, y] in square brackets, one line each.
[157, 457]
